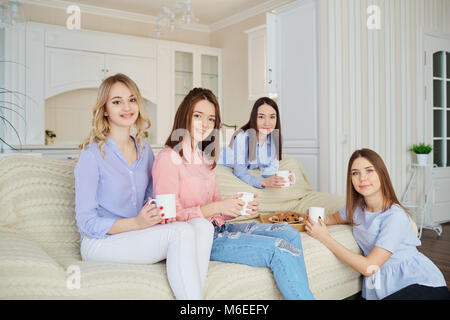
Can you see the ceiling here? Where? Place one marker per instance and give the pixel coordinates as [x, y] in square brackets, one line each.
[207, 11]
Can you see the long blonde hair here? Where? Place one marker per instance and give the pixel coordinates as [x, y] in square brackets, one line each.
[100, 125]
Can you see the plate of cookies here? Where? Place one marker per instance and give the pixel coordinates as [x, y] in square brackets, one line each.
[294, 219]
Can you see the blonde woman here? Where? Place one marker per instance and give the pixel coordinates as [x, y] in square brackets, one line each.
[113, 188]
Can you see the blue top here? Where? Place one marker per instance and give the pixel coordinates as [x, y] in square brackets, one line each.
[392, 230]
[237, 158]
[107, 188]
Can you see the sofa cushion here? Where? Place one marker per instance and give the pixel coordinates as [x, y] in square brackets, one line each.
[27, 271]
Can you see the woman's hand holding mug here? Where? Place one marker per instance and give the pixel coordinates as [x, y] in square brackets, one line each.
[250, 208]
[231, 206]
[273, 181]
[234, 205]
[148, 216]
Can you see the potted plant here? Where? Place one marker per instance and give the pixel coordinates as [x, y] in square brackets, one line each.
[49, 137]
[421, 150]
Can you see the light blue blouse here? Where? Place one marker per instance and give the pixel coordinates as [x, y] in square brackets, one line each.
[392, 231]
[107, 188]
[237, 158]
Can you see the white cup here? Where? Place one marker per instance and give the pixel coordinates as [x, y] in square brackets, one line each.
[286, 174]
[167, 201]
[315, 213]
[246, 197]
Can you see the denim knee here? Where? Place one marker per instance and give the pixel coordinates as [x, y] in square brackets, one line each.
[282, 245]
[291, 232]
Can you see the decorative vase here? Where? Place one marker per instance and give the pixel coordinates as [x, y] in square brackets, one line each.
[422, 159]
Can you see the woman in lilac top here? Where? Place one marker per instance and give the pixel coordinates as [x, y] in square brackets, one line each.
[113, 186]
[186, 167]
[392, 266]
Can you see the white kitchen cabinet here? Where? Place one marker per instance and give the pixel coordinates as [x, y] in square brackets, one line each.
[272, 49]
[257, 63]
[59, 61]
[183, 75]
[182, 67]
[196, 66]
[69, 70]
[141, 70]
[210, 73]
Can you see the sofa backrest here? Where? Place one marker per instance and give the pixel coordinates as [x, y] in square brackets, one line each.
[37, 198]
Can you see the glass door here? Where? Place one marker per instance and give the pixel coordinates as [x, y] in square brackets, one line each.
[210, 73]
[441, 108]
[184, 75]
[437, 122]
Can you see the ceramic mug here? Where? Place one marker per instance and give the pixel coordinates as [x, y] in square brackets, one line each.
[167, 201]
[315, 213]
[246, 197]
[286, 174]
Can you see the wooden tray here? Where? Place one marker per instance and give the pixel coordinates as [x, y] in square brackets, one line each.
[291, 216]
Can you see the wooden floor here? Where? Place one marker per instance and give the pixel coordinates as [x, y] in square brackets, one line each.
[437, 249]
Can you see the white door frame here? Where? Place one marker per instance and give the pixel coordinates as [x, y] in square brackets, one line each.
[441, 175]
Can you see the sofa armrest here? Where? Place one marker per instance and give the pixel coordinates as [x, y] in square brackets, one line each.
[27, 271]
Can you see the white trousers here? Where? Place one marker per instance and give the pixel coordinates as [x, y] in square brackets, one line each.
[186, 246]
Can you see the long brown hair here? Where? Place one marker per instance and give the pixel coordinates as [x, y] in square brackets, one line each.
[355, 199]
[100, 125]
[251, 124]
[183, 120]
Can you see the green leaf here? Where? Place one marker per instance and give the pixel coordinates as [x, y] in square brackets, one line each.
[421, 148]
[14, 112]
[15, 131]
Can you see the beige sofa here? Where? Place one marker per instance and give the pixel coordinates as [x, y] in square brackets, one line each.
[39, 242]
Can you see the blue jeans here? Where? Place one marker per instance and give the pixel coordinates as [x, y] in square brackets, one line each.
[276, 246]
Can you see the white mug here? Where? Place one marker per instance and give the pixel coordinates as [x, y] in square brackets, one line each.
[246, 197]
[167, 201]
[286, 174]
[315, 213]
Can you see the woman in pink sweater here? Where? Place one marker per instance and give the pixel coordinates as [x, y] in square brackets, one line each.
[186, 168]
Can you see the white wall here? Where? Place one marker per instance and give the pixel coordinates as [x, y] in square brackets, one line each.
[370, 88]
